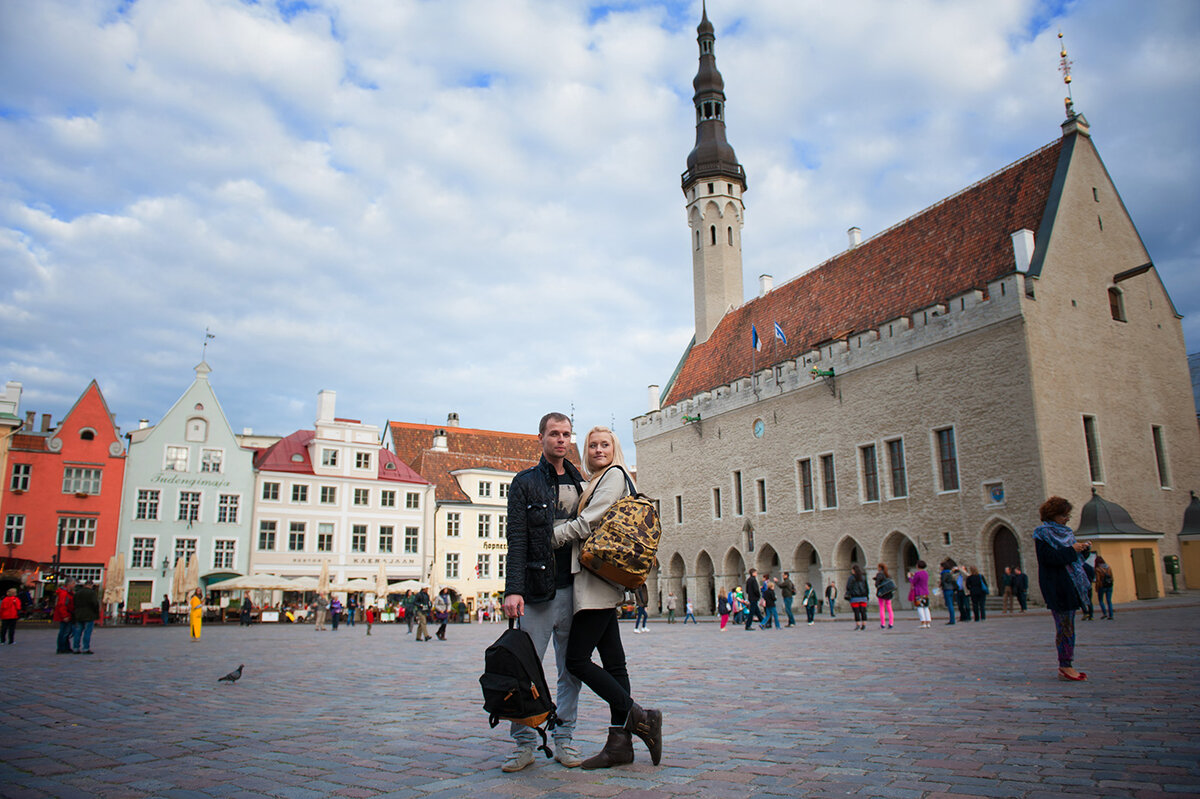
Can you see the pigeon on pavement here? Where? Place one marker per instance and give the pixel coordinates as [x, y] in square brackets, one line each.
[233, 676]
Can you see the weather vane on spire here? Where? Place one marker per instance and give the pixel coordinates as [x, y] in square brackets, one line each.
[204, 349]
[1064, 66]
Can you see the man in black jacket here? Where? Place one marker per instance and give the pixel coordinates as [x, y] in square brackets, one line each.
[537, 577]
[753, 595]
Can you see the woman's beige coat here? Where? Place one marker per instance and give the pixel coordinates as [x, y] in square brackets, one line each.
[591, 591]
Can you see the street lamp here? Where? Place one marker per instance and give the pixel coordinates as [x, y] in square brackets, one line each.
[166, 565]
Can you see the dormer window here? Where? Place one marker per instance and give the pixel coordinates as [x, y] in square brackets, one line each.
[87, 434]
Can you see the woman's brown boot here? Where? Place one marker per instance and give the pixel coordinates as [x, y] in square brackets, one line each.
[617, 751]
[647, 725]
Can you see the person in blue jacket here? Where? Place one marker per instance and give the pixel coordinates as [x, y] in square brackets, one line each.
[1062, 579]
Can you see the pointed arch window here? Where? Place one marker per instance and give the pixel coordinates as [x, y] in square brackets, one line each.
[697, 239]
[729, 234]
[712, 234]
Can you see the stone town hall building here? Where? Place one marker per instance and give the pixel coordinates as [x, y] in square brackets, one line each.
[1010, 342]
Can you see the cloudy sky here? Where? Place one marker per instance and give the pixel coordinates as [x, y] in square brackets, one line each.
[474, 205]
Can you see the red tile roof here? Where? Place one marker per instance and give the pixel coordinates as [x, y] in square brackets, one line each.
[278, 458]
[961, 243]
[437, 467]
[33, 442]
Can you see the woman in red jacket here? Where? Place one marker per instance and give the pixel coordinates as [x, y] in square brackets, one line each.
[64, 613]
[10, 609]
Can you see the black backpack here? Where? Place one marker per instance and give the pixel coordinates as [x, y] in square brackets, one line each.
[514, 685]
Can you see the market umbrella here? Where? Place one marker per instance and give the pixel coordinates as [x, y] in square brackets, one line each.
[406, 585]
[381, 583]
[360, 584]
[303, 584]
[177, 578]
[191, 580]
[114, 580]
[323, 580]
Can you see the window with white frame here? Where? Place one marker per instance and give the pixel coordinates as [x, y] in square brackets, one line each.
[80, 480]
[77, 531]
[829, 479]
[81, 574]
[362, 497]
[358, 538]
[502, 525]
[20, 477]
[485, 488]
[266, 535]
[870, 473]
[362, 460]
[387, 499]
[184, 548]
[325, 537]
[14, 528]
[500, 561]
[227, 508]
[503, 490]
[328, 495]
[270, 492]
[453, 525]
[947, 458]
[146, 508]
[451, 565]
[412, 537]
[485, 525]
[412, 500]
[210, 460]
[804, 474]
[897, 467]
[142, 555]
[483, 567]
[223, 551]
[296, 537]
[189, 506]
[175, 459]
[299, 493]
[329, 457]
[387, 538]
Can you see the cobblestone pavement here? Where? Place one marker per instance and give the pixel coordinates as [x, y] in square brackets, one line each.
[969, 710]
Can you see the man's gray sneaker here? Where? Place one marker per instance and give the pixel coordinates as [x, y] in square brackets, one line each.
[566, 753]
[519, 759]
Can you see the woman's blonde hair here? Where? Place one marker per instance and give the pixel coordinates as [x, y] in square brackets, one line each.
[618, 459]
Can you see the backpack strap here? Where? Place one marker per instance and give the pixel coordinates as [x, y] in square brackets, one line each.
[633, 492]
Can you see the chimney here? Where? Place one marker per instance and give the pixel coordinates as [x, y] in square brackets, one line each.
[441, 442]
[653, 398]
[855, 235]
[247, 431]
[30, 417]
[326, 400]
[765, 284]
[1022, 242]
[143, 424]
[452, 419]
[45, 423]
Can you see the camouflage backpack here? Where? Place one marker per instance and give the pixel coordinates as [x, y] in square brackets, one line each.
[624, 546]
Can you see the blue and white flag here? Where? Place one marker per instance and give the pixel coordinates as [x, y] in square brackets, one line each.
[755, 341]
[779, 333]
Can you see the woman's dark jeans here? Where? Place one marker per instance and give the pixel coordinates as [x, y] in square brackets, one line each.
[599, 630]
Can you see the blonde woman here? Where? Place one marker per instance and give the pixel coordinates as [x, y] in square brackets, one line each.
[594, 626]
[195, 614]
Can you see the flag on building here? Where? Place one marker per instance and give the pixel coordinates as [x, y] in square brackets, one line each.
[779, 333]
[754, 339]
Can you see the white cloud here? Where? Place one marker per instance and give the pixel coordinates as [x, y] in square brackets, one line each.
[475, 206]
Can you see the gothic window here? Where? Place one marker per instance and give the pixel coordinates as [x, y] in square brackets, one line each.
[712, 234]
[729, 234]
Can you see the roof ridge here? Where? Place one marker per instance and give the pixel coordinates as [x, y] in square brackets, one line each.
[422, 426]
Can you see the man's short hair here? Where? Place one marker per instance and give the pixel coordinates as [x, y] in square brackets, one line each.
[553, 416]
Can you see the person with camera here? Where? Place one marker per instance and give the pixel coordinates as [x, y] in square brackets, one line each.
[1061, 577]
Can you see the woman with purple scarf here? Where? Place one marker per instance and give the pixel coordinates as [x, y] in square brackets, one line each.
[1062, 579]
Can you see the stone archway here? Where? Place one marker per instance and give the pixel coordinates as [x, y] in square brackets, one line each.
[704, 601]
[806, 566]
[1006, 551]
[848, 552]
[767, 561]
[900, 554]
[733, 570]
[677, 578]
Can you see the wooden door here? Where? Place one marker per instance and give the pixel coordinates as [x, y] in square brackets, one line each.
[1144, 567]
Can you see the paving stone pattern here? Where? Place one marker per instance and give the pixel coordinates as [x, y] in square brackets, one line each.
[822, 711]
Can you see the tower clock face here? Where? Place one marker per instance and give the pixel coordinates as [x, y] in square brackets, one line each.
[759, 428]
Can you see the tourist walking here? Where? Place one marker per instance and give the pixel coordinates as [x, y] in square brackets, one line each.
[165, 608]
[771, 617]
[690, 614]
[64, 610]
[369, 617]
[857, 594]
[918, 594]
[753, 598]
[831, 596]
[595, 626]
[1006, 589]
[406, 604]
[671, 608]
[421, 608]
[1021, 588]
[538, 584]
[335, 612]
[195, 614]
[1104, 588]
[948, 585]
[809, 600]
[441, 611]
[723, 607]
[10, 611]
[978, 589]
[960, 594]
[787, 590]
[1061, 578]
[641, 598]
[885, 589]
[322, 608]
[247, 614]
[1089, 610]
[351, 609]
[85, 614]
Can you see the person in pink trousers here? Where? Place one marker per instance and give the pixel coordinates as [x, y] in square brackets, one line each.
[885, 589]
